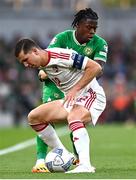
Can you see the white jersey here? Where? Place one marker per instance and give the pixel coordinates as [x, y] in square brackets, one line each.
[66, 67]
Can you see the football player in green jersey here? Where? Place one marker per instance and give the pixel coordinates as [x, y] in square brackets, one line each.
[83, 40]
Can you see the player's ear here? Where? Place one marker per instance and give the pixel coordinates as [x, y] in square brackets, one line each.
[77, 25]
[35, 50]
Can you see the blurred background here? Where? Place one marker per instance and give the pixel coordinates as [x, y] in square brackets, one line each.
[20, 89]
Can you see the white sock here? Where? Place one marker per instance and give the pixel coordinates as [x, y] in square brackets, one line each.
[39, 161]
[81, 141]
[50, 137]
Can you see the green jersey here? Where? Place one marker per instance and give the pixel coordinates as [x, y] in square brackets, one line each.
[95, 49]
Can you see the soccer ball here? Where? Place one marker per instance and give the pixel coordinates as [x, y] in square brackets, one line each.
[58, 160]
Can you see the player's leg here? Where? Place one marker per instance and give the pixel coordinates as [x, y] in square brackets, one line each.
[41, 152]
[41, 117]
[89, 109]
[41, 148]
[50, 93]
[76, 161]
[77, 118]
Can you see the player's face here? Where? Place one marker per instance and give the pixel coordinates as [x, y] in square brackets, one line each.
[31, 59]
[86, 30]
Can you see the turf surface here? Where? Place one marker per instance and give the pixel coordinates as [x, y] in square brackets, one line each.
[113, 153]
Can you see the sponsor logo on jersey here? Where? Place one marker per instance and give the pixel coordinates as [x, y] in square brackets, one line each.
[87, 51]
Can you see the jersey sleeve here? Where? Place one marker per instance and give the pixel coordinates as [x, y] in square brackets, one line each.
[101, 51]
[67, 58]
[58, 41]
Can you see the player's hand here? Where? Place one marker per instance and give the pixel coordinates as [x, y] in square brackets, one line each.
[42, 75]
[70, 98]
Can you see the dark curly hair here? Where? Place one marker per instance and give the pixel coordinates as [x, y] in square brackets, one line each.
[87, 13]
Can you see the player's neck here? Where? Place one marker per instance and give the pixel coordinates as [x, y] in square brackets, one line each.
[79, 39]
[45, 58]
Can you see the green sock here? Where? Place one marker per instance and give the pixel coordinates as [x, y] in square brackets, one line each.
[41, 149]
[74, 149]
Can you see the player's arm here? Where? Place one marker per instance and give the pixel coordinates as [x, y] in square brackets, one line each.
[91, 70]
[101, 55]
[102, 64]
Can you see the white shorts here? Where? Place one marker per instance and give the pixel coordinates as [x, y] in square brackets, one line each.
[93, 101]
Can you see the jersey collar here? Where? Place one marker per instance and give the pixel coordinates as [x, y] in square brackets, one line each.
[74, 37]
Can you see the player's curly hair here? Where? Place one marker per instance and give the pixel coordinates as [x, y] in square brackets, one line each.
[87, 13]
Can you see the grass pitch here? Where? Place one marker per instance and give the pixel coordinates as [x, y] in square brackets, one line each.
[113, 153]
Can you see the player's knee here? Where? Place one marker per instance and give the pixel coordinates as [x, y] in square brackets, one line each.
[33, 117]
[70, 117]
[83, 116]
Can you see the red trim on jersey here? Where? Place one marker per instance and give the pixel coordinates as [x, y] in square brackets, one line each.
[60, 55]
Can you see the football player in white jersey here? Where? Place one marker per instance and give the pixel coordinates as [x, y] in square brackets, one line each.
[84, 100]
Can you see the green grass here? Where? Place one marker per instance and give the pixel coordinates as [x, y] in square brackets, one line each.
[113, 153]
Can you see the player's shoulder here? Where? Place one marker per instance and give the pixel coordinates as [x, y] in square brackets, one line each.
[54, 49]
[60, 50]
[99, 39]
[65, 33]
[61, 39]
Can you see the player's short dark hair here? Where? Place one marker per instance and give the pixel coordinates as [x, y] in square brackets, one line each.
[84, 14]
[24, 44]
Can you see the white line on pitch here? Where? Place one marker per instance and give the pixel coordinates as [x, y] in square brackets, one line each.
[60, 131]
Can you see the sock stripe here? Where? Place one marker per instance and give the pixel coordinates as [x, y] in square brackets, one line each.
[39, 127]
[76, 125]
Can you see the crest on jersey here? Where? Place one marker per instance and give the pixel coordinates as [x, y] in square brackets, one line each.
[87, 51]
[56, 95]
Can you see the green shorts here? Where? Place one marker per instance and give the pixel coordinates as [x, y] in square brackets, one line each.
[51, 92]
